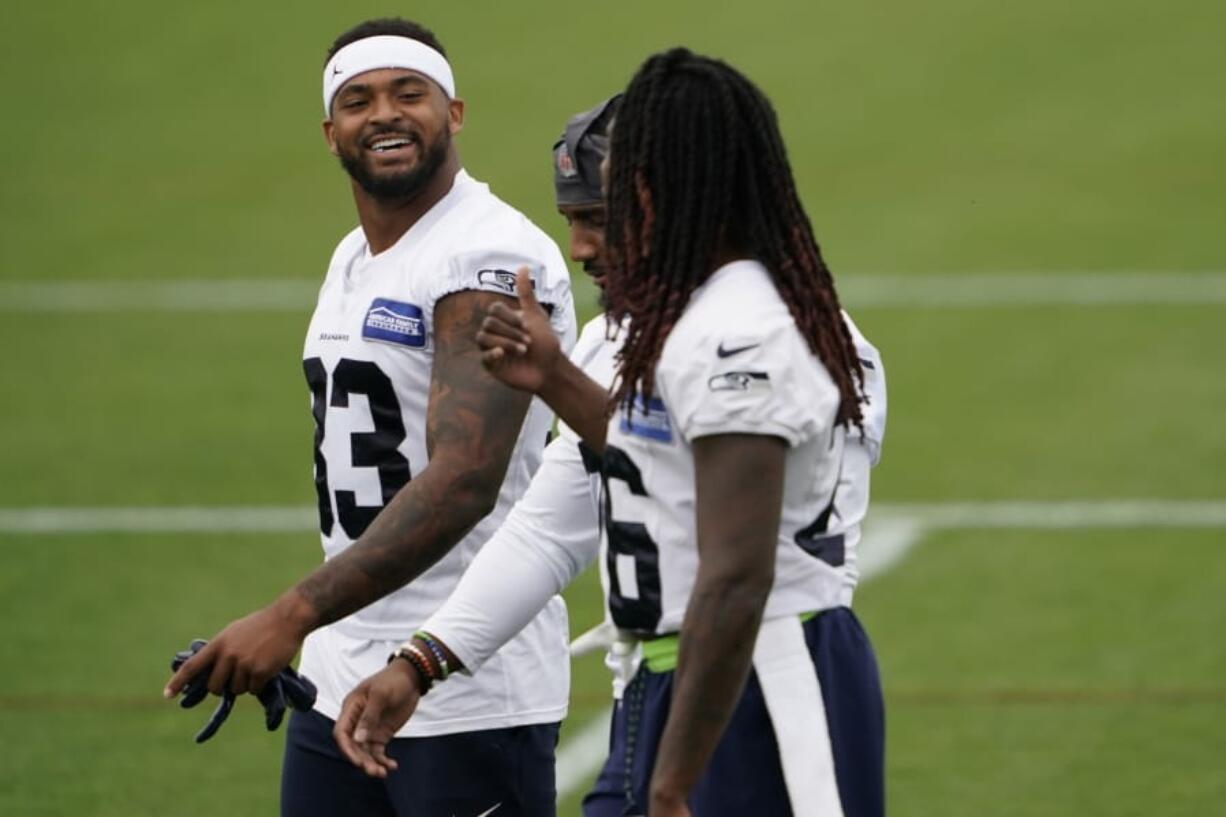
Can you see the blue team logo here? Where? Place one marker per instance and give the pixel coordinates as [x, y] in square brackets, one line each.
[395, 322]
[652, 423]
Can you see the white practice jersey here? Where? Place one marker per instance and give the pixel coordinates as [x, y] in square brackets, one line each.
[734, 363]
[368, 357]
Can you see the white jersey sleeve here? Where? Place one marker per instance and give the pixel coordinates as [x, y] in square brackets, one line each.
[745, 374]
[509, 242]
[547, 539]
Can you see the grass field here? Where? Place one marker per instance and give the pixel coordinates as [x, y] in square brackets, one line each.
[1030, 668]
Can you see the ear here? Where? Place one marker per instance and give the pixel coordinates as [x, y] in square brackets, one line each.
[455, 115]
[330, 137]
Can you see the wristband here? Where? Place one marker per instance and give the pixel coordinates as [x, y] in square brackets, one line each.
[436, 650]
[417, 660]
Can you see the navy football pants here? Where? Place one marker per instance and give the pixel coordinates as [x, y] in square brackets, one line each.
[460, 775]
[744, 776]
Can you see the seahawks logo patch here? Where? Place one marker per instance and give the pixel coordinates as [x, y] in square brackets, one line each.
[739, 381]
[500, 279]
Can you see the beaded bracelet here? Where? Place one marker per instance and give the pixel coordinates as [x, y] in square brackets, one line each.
[437, 651]
[417, 660]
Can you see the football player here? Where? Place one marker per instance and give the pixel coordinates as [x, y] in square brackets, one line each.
[419, 453]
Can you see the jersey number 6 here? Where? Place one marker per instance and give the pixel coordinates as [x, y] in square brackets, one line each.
[633, 557]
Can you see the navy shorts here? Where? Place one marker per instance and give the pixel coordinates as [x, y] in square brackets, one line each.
[745, 775]
[460, 775]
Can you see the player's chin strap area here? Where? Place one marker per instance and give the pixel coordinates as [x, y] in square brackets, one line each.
[793, 696]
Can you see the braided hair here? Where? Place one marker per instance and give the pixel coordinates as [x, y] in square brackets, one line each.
[698, 172]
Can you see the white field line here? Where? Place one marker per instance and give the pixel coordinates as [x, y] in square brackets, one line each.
[582, 753]
[1112, 513]
[221, 295]
[887, 540]
[1071, 288]
[250, 519]
[886, 517]
[965, 290]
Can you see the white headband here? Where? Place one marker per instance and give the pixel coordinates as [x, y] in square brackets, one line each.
[384, 51]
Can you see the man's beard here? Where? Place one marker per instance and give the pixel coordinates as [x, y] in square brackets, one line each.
[400, 186]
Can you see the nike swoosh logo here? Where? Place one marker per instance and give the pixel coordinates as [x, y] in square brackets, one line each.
[722, 352]
[336, 69]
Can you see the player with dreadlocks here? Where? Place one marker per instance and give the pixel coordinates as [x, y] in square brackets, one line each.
[673, 215]
[738, 380]
[728, 557]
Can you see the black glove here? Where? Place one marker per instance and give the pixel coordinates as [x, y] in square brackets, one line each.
[196, 690]
[286, 687]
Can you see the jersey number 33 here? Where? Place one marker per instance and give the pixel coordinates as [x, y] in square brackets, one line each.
[377, 449]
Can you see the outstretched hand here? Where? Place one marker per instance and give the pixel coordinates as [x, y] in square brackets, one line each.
[518, 345]
[371, 715]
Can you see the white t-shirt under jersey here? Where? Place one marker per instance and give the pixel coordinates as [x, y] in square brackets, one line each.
[368, 357]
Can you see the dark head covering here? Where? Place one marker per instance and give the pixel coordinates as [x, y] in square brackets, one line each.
[578, 154]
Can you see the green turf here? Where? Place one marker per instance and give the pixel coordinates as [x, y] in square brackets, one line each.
[128, 597]
[948, 135]
[1072, 673]
[1054, 672]
[1101, 760]
[134, 409]
[1052, 403]
[1071, 611]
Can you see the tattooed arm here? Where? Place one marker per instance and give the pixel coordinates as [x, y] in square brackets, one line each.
[472, 425]
[738, 502]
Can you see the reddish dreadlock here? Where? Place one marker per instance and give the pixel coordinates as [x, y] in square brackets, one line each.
[697, 168]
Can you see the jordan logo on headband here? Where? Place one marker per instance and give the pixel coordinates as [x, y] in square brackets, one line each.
[385, 51]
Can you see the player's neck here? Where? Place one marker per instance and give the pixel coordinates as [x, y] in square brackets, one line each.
[384, 222]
